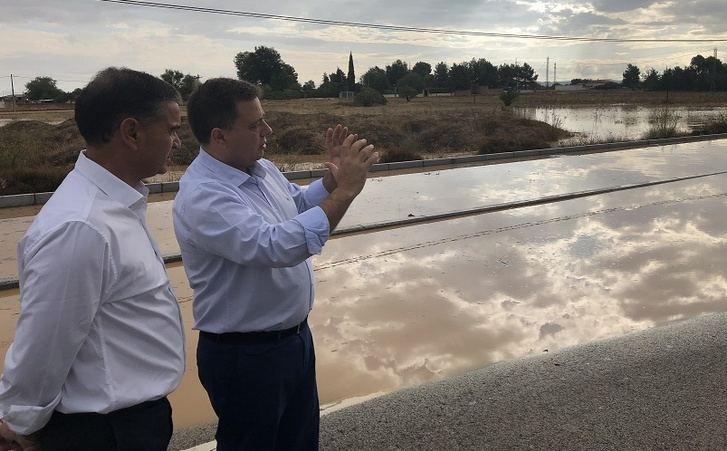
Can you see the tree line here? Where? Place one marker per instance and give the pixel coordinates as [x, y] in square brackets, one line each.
[702, 74]
[279, 80]
[265, 66]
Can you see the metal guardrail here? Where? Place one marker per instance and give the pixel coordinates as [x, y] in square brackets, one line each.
[20, 200]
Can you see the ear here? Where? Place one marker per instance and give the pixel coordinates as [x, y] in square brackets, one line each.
[129, 132]
[217, 137]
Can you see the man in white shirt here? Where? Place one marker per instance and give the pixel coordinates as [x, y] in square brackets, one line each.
[246, 236]
[99, 342]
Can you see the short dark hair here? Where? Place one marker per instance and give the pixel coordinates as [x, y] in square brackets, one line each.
[214, 105]
[115, 94]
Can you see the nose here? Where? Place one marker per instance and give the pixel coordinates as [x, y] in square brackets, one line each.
[268, 129]
[176, 141]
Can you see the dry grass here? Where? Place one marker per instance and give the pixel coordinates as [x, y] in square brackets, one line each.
[426, 127]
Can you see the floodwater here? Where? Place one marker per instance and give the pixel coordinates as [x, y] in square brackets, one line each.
[617, 122]
[441, 191]
[407, 305]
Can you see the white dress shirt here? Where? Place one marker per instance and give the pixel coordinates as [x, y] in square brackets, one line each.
[99, 327]
[246, 242]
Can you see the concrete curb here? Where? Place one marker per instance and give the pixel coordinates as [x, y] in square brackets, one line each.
[21, 200]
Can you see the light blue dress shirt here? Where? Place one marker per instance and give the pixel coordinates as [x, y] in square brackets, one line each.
[246, 242]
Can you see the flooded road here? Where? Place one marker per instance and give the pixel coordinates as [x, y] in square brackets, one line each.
[408, 305]
[414, 195]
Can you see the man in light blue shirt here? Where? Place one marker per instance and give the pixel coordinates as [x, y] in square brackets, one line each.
[246, 236]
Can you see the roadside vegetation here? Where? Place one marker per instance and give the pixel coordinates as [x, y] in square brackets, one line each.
[35, 156]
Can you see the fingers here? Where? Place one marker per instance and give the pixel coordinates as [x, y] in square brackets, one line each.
[335, 136]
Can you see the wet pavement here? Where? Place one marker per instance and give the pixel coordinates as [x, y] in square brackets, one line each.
[400, 307]
[413, 195]
[660, 389]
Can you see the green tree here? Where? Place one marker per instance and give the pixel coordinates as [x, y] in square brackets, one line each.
[265, 66]
[375, 78]
[651, 81]
[183, 83]
[460, 76]
[332, 84]
[42, 88]
[395, 71]
[483, 72]
[422, 68]
[631, 76]
[351, 78]
[410, 85]
[441, 75]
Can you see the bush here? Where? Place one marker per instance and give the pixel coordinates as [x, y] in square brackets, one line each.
[285, 94]
[717, 124]
[663, 124]
[369, 97]
[298, 140]
[394, 155]
[32, 180]
[508, 96]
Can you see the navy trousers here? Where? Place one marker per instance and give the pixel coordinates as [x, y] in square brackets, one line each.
[144, 427]
[263, 391]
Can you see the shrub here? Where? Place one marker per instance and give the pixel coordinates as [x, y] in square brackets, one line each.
[663, 124]
[369, 97]
[32, 180]
[508, 96]
[299, 140]
[393, 155]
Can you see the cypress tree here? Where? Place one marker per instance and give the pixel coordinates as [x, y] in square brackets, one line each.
[351, 75]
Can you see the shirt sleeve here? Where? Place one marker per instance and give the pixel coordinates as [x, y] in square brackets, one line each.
[309, 197]
[219, 222]
[61, 281]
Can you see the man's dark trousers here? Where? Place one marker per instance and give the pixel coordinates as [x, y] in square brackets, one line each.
[262, 387]
[144, 427]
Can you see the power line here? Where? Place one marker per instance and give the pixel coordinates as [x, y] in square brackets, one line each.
[439, 31]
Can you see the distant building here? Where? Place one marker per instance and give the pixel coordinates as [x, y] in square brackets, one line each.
[7, 101]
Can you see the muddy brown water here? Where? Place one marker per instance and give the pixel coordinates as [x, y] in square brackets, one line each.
[403, 306]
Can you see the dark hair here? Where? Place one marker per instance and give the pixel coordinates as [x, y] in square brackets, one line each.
[115, 94]
[214, 105]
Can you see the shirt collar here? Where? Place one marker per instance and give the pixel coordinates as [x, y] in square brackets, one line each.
[107, 182]
[227, 173]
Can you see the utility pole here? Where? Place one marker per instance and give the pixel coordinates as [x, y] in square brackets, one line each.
[547, 68]
[12, 91]
[555, 73]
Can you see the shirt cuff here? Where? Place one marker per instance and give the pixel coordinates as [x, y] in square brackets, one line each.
[25, 420]
[316, 192]
[317, 229]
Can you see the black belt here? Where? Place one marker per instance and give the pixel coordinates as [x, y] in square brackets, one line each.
[250, 337]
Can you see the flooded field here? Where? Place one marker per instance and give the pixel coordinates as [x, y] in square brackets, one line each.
[407, 305]
[619, 122]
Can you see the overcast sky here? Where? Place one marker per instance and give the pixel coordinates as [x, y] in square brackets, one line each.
[70, 40]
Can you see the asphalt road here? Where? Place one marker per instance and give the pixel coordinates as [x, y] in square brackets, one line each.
[660, 389]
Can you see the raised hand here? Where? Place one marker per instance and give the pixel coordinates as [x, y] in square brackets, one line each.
[334, 138]
[356, 157]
